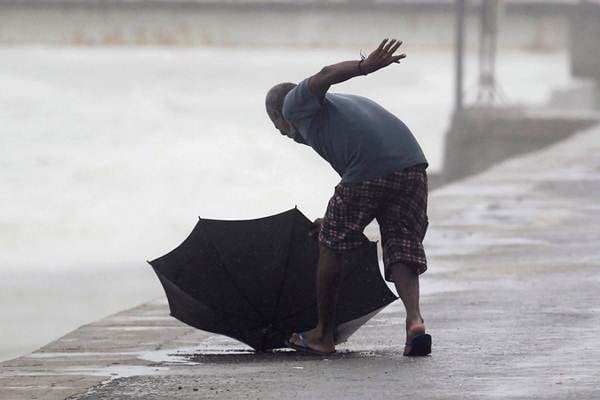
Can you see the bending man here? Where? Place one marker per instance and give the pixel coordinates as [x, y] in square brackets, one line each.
[383, 177]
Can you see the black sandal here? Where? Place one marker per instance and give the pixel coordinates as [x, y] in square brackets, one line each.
[419, 346]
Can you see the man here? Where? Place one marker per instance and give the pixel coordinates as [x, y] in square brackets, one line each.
[383, 177]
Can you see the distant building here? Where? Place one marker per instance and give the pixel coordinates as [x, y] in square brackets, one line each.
[533, 24]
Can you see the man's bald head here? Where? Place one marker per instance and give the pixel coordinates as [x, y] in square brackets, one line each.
[274, 105]
[276, 95]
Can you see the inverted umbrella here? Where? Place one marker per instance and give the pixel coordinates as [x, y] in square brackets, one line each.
[255, 280]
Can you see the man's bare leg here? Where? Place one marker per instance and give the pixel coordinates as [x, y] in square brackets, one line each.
[329, 272]
[407, 285]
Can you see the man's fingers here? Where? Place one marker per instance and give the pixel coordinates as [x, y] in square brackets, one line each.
[389, 45]
[315, 227]
[382, 44]
[395, 47]
[397, 59]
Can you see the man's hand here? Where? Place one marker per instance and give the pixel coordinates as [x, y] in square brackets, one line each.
[382, 56]
[316, 228]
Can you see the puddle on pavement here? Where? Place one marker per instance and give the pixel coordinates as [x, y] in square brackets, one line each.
[239, 356]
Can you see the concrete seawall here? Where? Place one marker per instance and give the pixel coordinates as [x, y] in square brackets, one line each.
[481, 137]
[510, 299]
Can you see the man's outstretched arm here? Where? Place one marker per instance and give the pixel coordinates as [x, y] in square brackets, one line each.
[381, 57]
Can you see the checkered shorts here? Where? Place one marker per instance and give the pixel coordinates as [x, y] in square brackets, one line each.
[398, 202]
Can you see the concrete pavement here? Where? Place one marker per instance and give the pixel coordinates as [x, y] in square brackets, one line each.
[511, 300]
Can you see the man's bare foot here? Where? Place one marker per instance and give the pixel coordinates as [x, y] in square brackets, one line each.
[315, 340]
[414, 328]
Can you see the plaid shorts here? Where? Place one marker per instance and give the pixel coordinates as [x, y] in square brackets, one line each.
[398, 202]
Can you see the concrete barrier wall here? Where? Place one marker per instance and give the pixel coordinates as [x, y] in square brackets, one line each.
[479, 138]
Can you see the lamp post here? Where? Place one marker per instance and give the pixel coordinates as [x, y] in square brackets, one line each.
[459, 48]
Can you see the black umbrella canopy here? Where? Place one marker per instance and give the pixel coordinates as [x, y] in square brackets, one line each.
[255, 280]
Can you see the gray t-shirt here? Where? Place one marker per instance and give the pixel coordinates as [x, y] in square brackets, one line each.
[359, 138]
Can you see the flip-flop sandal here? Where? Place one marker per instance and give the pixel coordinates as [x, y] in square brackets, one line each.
[419, 346]
[305, 348]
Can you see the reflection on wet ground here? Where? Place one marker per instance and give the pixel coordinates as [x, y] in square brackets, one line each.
[234, 356]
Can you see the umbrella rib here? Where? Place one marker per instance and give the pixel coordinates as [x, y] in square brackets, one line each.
[244, 296]
[314, 304]
[287, 262]
[218, 310]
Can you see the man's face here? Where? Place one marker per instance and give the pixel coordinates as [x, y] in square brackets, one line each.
[282, 125]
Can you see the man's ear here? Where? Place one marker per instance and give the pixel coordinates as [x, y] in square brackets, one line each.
[278, 115]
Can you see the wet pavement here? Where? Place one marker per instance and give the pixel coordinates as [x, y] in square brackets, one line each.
[510, 299]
